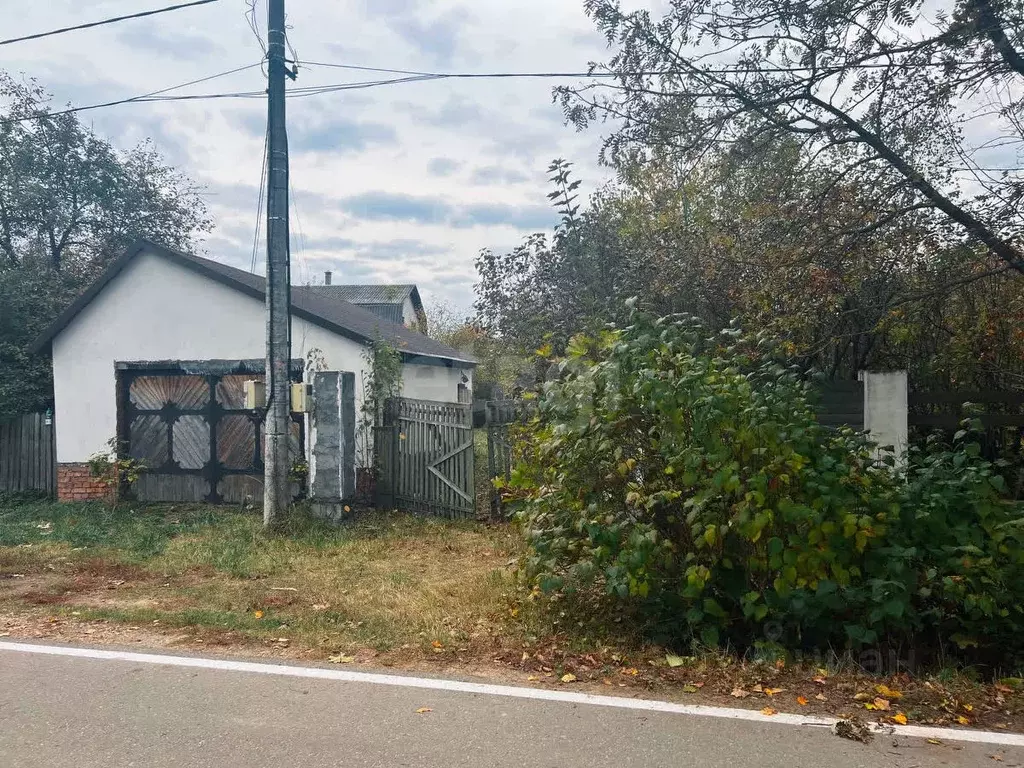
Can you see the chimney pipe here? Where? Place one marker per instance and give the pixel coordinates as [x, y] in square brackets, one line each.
[327, 277]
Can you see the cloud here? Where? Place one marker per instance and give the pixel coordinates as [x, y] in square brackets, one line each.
[153, 38]
[532, 217]
[340, 134]
[438, 37]
[443, 166]
[388, 206]
[493, 174]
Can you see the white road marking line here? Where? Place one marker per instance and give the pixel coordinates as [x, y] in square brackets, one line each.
[487, 689]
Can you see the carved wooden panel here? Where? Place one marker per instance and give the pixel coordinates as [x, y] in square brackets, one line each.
[151, 393]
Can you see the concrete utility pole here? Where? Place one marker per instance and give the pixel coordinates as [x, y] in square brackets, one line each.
[278, 462]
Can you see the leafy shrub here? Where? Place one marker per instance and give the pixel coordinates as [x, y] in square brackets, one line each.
[686, 477]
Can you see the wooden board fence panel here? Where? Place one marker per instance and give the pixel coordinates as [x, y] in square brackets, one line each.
[27, 460]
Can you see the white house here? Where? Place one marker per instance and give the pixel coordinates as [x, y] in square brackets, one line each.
[156, 352]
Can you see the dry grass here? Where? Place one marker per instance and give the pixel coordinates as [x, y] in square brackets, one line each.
[381, 582]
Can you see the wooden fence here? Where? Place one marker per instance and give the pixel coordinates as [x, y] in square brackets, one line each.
[1001, 414]
[27, 461]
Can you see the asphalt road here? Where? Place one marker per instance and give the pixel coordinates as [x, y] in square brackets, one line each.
[88, 713]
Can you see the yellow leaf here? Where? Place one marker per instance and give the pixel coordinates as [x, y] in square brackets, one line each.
[739, 693]
[887, 692]
[862, 697]
[773, 691]
[437, 644]
[690, 688]
[801, 700]
[631, 671]
[899, 718]
[968, 707]
[341, 658]
[533, 678]
[934, 741]
[423, 710]
[673, 660]
[963, 720]
[768, 711]
[258, 614]
[569, 678]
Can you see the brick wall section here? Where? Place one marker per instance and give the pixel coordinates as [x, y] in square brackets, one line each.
[76, 483]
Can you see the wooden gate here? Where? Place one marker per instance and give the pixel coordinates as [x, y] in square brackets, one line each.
[426, 458]
[188, 425]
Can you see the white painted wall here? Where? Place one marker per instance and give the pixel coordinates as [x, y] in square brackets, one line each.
[158, 310]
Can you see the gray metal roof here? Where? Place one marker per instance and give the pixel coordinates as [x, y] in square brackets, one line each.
[335, 315]
[366, 294]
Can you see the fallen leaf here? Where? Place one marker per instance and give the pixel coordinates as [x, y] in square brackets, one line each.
[631, 671]
[690, 688]
[569, 678]
[820, 680]
[769, 711]
[862, 697]
[801, 700]
[968, 707]
[605, 681]
[882, 704]
[997, 758]
[739, 693]
[773, 691]
[348, 508]
[887, 692]
[673, 660]
[899, 718]
[258, 614]
[1003, 688]
[423, 710]
[533, 678]
[934, 741]
[321, 606]
[821, 697]
[437, 644]
[757, 688]
[341, 658]
[963, 720]
[699, 684]
[780, 663]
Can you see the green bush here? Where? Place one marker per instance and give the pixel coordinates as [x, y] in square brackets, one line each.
[686, 478]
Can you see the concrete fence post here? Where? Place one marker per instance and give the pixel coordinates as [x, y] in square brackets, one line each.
[885, 410]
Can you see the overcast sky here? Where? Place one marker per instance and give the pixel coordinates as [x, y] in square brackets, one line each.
[402, 183]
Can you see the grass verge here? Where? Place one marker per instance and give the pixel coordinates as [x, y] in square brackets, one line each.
[397, 591]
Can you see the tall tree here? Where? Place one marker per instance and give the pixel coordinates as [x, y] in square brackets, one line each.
[69, 202]
[908, 99]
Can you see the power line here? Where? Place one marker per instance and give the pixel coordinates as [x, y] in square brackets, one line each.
[259, 202]
[149, 97]
[833, 69]
[105, 21]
